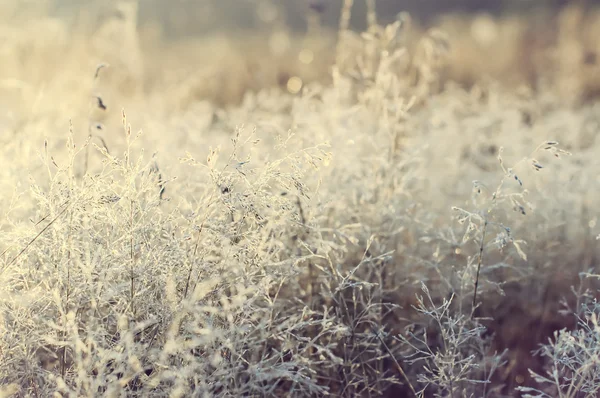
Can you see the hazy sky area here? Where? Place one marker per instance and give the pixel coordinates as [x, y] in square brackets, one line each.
[193, 17]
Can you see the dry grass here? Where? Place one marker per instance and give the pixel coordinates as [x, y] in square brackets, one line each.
[408, 211]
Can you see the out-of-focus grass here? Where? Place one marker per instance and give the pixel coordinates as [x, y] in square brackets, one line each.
[289, 199]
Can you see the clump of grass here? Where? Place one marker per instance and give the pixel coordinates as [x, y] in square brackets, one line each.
[449, 353]
[486, 217]
[571, 358]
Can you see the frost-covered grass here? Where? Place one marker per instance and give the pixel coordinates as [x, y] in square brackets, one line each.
[372, 218]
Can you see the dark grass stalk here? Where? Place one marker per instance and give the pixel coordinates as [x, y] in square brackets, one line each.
[479, 262]
[15, 258]
[380, 315]
[397, 366]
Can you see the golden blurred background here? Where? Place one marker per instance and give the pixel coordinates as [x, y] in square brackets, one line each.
[219, 50]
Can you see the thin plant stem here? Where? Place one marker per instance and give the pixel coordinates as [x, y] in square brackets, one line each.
[398, 367]
[15, 258]
[479, 262]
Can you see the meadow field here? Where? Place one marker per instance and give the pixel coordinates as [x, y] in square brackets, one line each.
[299, 209]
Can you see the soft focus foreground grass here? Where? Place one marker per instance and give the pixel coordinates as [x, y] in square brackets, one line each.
[281, 227]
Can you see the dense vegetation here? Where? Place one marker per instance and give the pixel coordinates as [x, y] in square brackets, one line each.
[409, 210]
